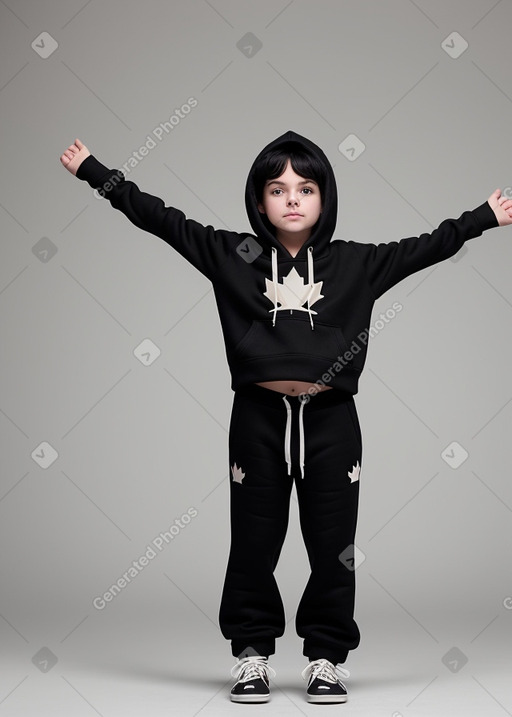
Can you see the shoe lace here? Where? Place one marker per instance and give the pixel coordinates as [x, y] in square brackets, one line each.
[324, 670]
[250, 668]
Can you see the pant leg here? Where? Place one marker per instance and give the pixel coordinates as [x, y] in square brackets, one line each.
[328, 505]
[251, 612]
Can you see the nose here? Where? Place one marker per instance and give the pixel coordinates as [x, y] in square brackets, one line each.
[293, 199]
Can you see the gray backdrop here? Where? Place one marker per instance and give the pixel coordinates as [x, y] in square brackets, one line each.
[108, 441]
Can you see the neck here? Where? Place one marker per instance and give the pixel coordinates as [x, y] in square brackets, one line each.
[293, 241]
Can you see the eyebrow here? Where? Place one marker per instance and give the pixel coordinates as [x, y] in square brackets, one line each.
[275, 181]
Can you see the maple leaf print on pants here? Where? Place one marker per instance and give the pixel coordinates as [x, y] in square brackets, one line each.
[238, 474]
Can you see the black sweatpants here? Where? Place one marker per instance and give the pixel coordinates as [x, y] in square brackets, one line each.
[275, 439]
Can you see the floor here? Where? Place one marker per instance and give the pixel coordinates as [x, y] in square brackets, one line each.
[136, 673]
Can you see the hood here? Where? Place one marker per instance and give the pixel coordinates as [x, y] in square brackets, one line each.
[323, 230]
[296, 296]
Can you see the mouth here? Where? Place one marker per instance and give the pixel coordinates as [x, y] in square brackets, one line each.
[294, 214]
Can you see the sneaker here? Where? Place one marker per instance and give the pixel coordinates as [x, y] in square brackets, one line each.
[324, 684]
[252, 683]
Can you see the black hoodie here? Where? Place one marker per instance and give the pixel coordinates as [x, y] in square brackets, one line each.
[306, 317]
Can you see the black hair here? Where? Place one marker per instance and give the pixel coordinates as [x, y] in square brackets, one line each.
[273, 163]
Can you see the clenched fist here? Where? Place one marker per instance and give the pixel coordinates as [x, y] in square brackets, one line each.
[502, 207]
[74, 156]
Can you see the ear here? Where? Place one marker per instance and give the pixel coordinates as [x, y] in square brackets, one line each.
[261, 208]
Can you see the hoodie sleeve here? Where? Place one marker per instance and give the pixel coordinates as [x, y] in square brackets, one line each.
[388, 263]
[204, 247]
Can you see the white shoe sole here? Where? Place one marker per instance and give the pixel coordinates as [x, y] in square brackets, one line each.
[326, 698]
[250, 698]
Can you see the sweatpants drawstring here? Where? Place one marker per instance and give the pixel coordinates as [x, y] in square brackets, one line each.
[288, 433]
[301, 435]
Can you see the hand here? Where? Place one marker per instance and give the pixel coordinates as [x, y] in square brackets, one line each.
[502, 207]
[74, 156]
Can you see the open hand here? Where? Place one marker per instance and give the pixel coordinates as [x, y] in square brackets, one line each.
[502, 207]
[74, 156]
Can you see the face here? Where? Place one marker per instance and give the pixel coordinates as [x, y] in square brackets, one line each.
[292, 203]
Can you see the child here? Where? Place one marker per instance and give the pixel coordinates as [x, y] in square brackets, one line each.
[295, 311]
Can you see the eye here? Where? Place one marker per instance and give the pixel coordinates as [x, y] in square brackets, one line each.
[276, 190]
[308, 190]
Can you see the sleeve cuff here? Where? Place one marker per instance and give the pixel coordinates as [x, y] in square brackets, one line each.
[93, 172]
[485, 217]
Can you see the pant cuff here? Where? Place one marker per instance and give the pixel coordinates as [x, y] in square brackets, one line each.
[249, 649]
[320, 653]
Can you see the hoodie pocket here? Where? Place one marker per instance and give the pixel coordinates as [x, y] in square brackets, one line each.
[288, 337]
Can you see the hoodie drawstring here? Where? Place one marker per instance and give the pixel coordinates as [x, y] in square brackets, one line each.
[311, 284]
[274, 282]
[288, 431]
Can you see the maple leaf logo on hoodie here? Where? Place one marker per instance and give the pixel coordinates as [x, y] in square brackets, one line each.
[293, 292]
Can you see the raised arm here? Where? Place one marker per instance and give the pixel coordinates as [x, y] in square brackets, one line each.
[388, 263]
[204, 247]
